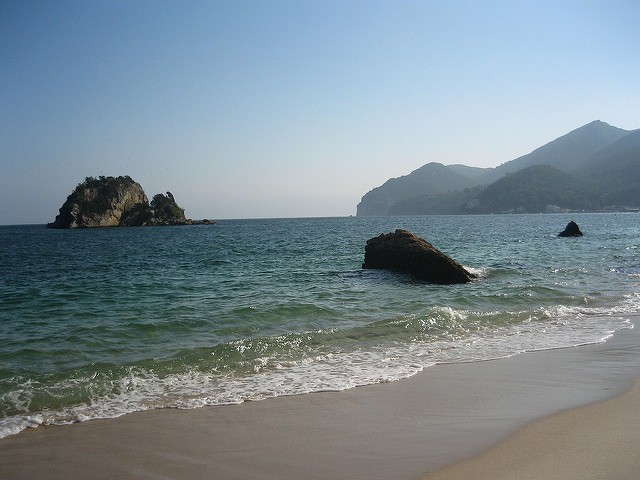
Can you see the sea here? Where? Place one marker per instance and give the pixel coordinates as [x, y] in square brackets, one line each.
[97, 323]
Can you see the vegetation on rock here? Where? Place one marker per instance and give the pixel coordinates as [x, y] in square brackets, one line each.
[533, 190]
[166, 210]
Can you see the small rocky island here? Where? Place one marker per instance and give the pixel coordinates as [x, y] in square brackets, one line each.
[117, 202]
[403, 251]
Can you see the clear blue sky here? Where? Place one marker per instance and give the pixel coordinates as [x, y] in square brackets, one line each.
[294, 108]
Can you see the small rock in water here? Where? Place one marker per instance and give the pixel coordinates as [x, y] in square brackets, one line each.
[572, 230]
[403, 251]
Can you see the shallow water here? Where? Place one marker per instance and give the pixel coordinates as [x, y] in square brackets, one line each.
[98, 323]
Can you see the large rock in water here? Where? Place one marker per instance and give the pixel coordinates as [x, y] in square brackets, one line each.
[115, 201]
[571, 230]
[405, 252]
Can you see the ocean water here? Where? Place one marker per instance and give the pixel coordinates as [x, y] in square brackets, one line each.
[98, 323]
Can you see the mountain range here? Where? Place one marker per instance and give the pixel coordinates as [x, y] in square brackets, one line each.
[592, 168]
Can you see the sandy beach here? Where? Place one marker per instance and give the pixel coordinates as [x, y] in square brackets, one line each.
[441, 417]
[599, 441]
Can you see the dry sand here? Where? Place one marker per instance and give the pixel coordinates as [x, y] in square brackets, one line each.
[403, 430]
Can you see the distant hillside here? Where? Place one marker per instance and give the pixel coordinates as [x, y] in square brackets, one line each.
[471, 173]
[616, 169]
[534, 189]
[450, 203]
[566, 153]
[433, 178]
[596, 166]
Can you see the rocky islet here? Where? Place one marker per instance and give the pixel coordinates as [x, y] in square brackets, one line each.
[118, 202]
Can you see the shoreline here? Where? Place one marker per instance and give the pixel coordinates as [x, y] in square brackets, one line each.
[440, 417]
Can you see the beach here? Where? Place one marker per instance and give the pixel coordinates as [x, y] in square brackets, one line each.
[599, 441]
[440, 417]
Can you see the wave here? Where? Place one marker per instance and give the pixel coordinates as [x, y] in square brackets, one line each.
[298, 363]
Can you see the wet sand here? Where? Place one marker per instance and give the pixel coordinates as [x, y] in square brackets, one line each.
[599, 441]
[404, 430]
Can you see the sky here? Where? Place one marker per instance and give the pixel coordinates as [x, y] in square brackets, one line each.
[252, 109]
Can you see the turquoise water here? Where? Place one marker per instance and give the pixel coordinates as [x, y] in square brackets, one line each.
[99, 323]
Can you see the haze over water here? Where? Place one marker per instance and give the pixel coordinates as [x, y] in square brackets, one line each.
[98, 323]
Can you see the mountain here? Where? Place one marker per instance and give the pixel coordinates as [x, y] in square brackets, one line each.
[471, 173]
[617, 169]
[432, 178]
[592, 167]
[449, 203]
[565, 153]
[535, 189]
